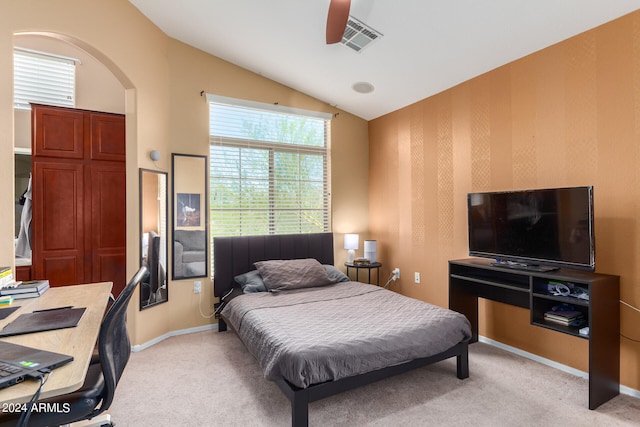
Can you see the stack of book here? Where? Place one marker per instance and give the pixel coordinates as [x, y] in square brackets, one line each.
[6, 278]
[28, 289]
[566, 317]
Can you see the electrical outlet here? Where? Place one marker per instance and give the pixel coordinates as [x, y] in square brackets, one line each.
[416, 277]
[197, 287]
[396, 273]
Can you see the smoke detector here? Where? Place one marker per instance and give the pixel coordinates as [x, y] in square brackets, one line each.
[358, 35]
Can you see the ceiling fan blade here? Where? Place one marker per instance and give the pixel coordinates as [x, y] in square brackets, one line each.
[337, 20]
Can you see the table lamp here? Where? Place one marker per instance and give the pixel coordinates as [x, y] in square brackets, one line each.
[351, 244]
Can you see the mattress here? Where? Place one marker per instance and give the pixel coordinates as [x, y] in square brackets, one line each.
[309, 336]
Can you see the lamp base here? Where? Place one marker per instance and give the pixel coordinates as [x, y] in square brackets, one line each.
[351, 256]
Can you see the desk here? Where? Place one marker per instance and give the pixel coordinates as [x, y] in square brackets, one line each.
[470, 279]
[78, 342]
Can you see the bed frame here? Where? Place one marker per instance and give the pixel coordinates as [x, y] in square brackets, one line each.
[236, 255]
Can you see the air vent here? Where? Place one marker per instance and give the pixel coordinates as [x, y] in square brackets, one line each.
[358, 35]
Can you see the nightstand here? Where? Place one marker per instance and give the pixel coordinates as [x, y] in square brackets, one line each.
[368, 267]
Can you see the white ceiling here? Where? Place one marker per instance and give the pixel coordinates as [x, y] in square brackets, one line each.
[427, 45]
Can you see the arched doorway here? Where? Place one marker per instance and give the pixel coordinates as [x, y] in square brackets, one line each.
[98, 88]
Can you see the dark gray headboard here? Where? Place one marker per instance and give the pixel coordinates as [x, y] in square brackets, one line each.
[236, 255]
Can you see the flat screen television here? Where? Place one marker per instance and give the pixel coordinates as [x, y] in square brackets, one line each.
[534, 229]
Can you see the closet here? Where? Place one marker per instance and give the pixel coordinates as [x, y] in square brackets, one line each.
[79, 196]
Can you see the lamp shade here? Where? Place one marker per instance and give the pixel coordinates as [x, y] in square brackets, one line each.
[351, 244]
[351, 241]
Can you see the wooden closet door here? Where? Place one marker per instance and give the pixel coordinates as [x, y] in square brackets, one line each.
[107, 137]
[108, 224]
[58, 221]
[79, 196]
[57, 132]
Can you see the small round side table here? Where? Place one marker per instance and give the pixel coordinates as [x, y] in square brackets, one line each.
[373, 266]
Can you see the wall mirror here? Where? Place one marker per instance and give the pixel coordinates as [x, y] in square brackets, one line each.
[153, 237]
[190, 228]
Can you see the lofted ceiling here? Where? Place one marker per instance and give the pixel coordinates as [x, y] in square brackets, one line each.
[427, 46]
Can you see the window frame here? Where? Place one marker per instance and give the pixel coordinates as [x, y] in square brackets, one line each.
[272, 148]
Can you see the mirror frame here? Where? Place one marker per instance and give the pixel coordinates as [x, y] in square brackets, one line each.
[144, 246]
[190, 225]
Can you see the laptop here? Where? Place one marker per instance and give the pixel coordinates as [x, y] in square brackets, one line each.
[17, 362]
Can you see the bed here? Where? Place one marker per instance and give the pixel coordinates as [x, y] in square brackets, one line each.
[317, 335]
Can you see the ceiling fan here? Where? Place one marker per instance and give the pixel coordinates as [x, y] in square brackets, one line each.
[337, 20]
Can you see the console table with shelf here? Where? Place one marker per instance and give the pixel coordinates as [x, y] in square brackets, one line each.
[470, 279]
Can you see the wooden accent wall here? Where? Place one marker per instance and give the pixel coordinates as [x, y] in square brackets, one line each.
[567, 115]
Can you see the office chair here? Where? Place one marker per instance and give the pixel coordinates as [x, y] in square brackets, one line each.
[96, 394]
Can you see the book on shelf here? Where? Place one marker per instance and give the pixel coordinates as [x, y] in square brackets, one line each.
[563, 322]
[6, 300]
[26, 287]
[564, 315]
[573, 320]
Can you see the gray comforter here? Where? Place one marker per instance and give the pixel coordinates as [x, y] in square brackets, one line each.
[313, 335]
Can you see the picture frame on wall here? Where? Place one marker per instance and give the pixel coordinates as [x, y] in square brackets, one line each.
[188, 214]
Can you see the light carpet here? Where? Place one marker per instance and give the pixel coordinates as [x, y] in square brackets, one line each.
[209, 379]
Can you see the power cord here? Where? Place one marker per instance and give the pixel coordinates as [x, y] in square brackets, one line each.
[206, 316]
[633, 308]
[395, 275]
[392, 278]
[42, 375]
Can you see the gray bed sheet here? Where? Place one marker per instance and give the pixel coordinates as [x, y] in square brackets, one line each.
[313, 335]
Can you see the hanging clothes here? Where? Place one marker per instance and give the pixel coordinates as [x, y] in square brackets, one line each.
[23, 244]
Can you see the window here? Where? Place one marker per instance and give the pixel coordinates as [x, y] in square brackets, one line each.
[268, 169]
[42, 78]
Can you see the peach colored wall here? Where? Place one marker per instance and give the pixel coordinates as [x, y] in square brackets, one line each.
[162, 80]
[567, 115]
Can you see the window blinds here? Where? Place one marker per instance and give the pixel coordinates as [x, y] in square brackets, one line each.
[268, 169]
[43, 79]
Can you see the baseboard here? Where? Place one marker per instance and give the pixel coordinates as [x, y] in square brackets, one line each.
[140, 347]
[623, 389]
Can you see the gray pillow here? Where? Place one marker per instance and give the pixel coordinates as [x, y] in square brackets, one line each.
[250, 282]
[335, 275]
[292, 274]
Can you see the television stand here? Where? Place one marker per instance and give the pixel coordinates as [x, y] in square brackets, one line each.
[470, 279]
[524, 266]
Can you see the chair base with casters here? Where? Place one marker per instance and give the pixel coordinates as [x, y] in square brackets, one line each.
[99, 421]
[96, 394]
